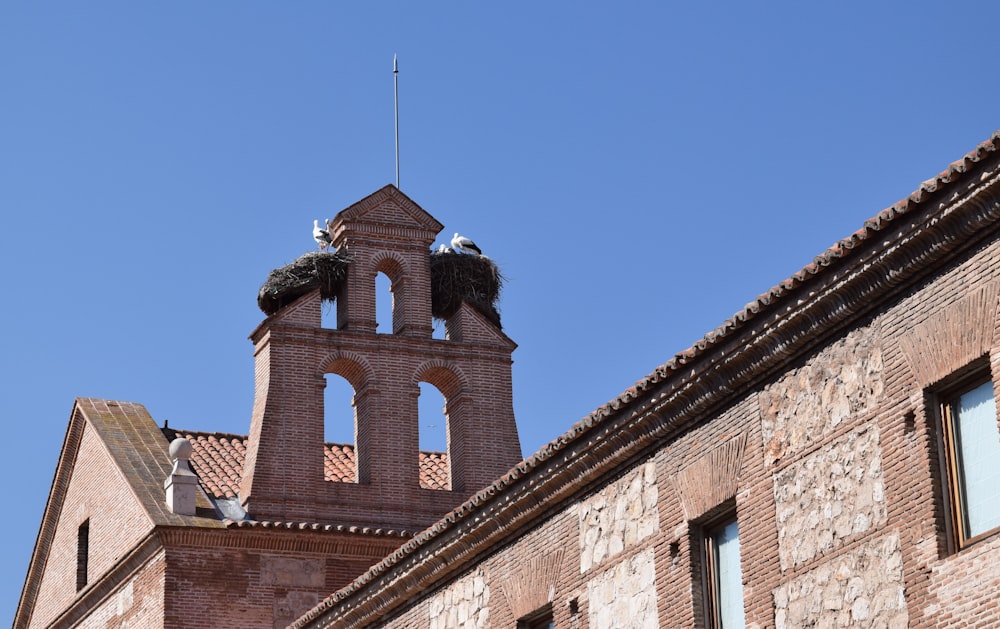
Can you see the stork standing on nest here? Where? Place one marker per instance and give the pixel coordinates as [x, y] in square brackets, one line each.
[322, 236]
[461, 243]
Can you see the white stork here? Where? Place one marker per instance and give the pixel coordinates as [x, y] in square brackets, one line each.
[461, 243]
[320, 235]
[444, 249]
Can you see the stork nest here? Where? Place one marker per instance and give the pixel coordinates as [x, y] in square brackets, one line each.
[455, 278]
[459, 277]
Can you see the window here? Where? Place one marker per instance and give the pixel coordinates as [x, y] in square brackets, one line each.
[82, 554]
[971, 443]
[723, 574]
[541, 619]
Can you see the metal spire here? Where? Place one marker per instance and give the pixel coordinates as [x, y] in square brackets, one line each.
[395, 80]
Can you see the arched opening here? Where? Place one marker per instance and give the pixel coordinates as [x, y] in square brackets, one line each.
[433, 439]
[384, 304]
[438, 331]
[328, 314]
[339, 421]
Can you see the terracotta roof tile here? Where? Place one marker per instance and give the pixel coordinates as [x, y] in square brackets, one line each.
[314, 526]
[217, 459]
[434, 470]
[338, 462]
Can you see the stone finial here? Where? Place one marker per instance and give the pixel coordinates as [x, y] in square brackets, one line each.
[182, 484]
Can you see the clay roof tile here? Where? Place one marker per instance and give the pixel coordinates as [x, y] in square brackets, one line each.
[217, 459]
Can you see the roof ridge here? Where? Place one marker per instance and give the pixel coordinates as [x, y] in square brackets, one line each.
[205, 433]
[233, 435]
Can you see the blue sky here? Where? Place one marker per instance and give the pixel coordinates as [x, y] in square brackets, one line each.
[638, 170]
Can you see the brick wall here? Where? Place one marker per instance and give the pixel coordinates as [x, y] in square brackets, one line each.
[283, 473]
[247, 578]
[137, 603]
[96, 492]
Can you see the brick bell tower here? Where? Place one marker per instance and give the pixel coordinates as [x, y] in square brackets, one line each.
[283, 474]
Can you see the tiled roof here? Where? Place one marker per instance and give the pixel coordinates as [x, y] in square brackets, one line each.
[217, 458]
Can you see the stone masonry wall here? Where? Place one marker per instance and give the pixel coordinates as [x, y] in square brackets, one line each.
[861, 588]
[618, 516]
[844, 380]
[829, 496]
[624, 597]
[462, 605]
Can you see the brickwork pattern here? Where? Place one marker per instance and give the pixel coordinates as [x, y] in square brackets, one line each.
[283, 473]
[935, 331]
[137, 603]
[240, 585]
[96, 492]
[964, 587]
[710, 480]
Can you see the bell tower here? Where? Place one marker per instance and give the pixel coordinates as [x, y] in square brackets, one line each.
[283, 474]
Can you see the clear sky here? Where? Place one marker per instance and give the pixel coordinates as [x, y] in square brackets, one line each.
[639, 171]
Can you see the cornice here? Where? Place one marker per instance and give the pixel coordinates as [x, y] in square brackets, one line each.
[283, 540]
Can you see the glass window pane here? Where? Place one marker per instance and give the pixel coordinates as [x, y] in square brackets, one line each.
[730, 576]
[978, 443]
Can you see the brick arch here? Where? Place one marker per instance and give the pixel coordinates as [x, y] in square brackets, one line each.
[722, 466]
[390, 263]
[954, 336]
[449, 379]
[352, 367]
[396, 269]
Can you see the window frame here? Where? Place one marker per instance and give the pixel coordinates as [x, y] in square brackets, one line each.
[949, 456]
[710, 574]
[82, 554]
[539, 619]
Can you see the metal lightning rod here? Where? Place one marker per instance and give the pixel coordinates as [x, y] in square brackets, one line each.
[395, 80]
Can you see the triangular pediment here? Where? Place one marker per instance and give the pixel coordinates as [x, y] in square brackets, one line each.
[387, 206]
[468, 325]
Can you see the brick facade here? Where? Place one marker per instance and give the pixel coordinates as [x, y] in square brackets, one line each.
[810, 417]
[97, 494]
[283, 474]
[290, 533]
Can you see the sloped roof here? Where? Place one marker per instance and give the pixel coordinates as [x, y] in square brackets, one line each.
[140, 451]
[787, 315]
[217, 458]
